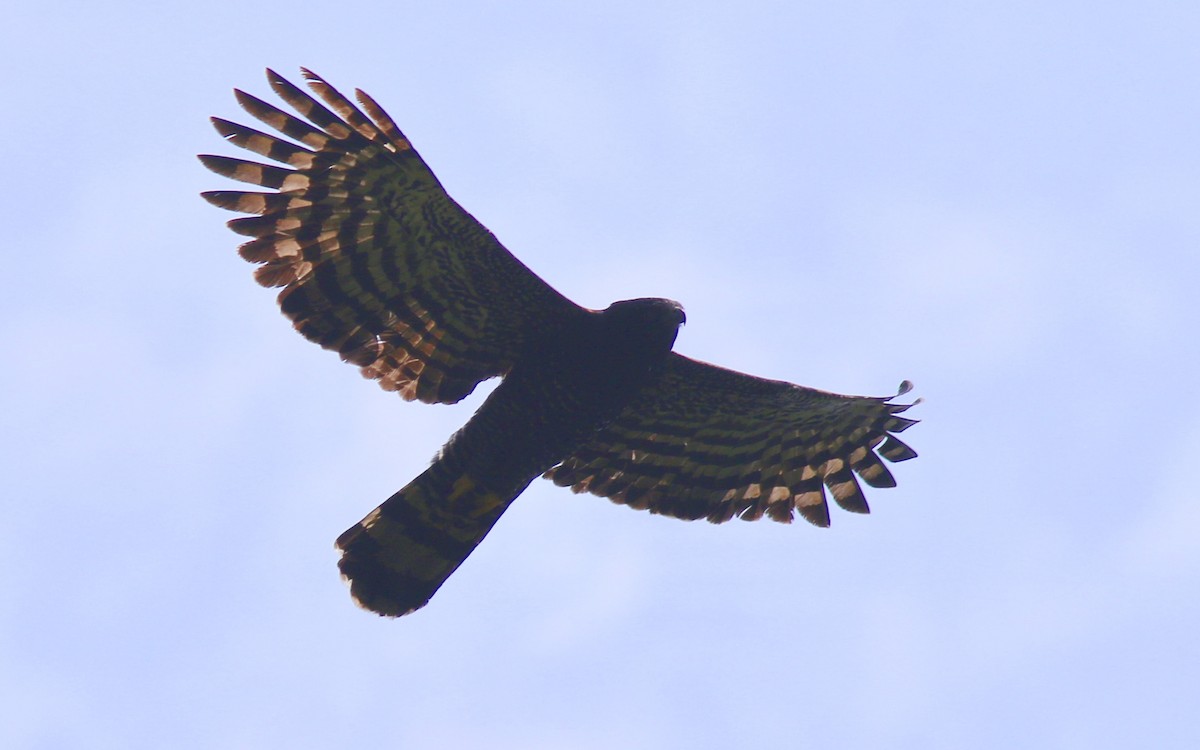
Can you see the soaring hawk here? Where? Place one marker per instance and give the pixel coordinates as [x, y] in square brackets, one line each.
[379, 264]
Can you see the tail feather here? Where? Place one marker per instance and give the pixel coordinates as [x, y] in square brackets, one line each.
[402, 552]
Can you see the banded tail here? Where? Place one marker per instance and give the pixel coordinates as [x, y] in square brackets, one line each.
[402, 552]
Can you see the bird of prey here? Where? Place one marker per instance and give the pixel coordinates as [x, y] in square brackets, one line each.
[379, 264]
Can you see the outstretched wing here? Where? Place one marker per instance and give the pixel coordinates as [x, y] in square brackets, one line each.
[376, 261]
[706, 442]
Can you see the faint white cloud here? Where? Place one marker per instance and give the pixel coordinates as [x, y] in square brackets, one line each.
[1163, 544]
[995, 275]
[607, 591]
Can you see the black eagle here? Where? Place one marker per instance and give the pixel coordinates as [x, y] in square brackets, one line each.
[379, 264]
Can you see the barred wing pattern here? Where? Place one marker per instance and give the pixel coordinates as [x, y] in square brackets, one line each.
[706, 442]
[376, 261]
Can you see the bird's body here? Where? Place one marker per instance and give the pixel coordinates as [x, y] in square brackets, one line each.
[379, 264]
[572, 382]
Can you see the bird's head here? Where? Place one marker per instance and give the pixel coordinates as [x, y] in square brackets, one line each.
[649, 322]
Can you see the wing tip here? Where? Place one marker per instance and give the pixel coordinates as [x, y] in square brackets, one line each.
[817, 515]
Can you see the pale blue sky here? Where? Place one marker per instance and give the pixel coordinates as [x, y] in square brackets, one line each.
[998, 200]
